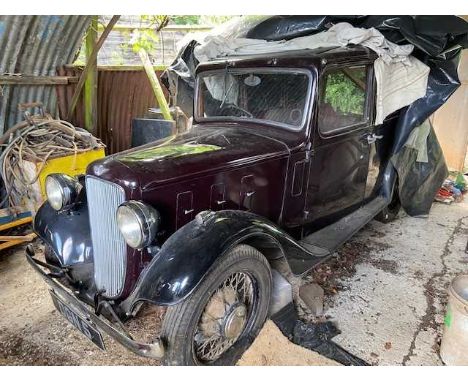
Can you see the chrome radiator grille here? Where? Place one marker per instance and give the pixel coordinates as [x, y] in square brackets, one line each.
[109, 248]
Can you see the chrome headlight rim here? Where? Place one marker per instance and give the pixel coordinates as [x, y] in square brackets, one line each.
[147, 218]
[66, 186]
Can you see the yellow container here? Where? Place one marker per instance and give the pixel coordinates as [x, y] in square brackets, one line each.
[71, 165]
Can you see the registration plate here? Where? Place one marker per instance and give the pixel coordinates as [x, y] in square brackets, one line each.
[78, 321]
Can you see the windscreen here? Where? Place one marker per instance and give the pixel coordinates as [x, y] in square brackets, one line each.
[274, 96]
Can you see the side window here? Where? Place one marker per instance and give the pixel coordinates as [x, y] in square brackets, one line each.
[343, 99]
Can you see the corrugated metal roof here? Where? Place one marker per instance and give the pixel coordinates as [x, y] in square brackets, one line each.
[35, 45]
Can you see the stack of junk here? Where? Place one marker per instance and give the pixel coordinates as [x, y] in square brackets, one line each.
[453, 189]
[32, 149]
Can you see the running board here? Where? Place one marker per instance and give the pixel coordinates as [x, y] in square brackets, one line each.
[325, 241]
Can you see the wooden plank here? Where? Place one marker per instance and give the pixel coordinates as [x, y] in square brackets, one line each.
[10, 211]
[37, 80]
[12, 217]
[91, 81]
[155, 85]
[11, 243]
[120, 68]
[169, 28]
[16, 223]
[87, 67]
[24, 238]
[156, 68]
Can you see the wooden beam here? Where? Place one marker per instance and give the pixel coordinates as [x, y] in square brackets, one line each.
[37, 80]
[88, 66]
[12, 243]
[120, 68]
[15, 223]
[91, 81]
[155, 85]
[28, 237]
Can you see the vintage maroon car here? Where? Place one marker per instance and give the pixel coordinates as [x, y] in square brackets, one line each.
[283, 161]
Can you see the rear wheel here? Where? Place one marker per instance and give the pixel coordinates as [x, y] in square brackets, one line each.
[222, 317]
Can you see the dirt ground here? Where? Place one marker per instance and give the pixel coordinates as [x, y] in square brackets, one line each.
[271, 348]
[32, 332]
[386, 291]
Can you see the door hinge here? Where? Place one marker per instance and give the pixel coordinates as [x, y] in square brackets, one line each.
[309, 151]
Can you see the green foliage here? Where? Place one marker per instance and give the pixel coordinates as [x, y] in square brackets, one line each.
[186, 19]
[343, 94]
[212, 20]
[117, 58]
[144, 39]
[147, 38]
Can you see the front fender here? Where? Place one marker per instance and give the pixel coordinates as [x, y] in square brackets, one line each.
[190, 252]
[67, 233]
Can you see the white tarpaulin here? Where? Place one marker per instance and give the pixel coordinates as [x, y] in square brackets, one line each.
[401, 78]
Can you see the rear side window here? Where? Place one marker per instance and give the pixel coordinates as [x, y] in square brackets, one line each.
[343, 99]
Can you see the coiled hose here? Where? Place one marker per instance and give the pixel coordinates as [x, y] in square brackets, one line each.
[37, 139]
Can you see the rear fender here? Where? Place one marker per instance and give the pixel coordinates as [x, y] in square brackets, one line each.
[186, 257]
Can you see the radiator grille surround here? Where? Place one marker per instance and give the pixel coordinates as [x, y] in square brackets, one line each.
[109, 247]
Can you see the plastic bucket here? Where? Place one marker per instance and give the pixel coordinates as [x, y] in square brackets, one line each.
[454, 346]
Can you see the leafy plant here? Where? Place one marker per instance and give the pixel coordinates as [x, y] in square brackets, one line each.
[186, 19]
[343, 94]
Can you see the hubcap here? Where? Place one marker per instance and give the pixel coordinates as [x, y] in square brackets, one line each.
[224, 317]
[235, 321]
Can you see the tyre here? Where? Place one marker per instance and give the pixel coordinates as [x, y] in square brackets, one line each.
[219, 320]
[390, 212]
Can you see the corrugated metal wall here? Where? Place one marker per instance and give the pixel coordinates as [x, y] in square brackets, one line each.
[35, 45]
[122, 95]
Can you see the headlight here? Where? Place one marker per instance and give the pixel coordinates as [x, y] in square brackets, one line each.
[138, 223]
[61, 190]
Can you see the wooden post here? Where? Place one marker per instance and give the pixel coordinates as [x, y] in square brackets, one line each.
[88, 66]
[156, 86]
[90, 85]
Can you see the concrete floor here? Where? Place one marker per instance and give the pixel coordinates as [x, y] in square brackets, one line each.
[390, 310]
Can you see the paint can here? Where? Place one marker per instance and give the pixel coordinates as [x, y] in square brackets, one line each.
[454, 346]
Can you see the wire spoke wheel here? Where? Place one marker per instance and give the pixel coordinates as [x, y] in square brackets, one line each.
[220, 319]
[224, 317]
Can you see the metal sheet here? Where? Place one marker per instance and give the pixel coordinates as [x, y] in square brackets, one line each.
[122, 95]
[35, 45]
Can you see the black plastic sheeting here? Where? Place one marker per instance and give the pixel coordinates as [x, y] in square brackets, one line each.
[438, 41]
[418, 180]
[314, 336]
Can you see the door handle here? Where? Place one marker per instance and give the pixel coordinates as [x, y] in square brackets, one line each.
[371, 138]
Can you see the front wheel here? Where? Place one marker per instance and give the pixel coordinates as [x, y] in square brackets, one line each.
[222, 317]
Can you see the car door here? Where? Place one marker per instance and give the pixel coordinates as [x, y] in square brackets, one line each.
[343, 130]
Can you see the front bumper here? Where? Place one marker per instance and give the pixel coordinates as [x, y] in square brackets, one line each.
[154, 350]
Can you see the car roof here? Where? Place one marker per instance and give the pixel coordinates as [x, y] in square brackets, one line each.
[293, 58]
